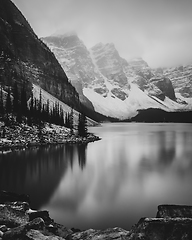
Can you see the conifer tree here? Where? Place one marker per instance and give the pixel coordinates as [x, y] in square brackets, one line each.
[71, 121]
[40, 101]
[24, 108]
[61, 117]
[15, 98]
[35, 111]
[67, 120]
[31, 107]
[8, 102]
[2, 110]
[47, 112]
[82, 125]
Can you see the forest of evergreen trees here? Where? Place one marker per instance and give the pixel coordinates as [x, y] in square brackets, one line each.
[14, 108]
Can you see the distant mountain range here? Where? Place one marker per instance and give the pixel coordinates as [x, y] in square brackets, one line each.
[116, 87]
[97, 81]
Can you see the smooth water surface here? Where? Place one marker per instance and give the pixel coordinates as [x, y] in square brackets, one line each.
[108, 183]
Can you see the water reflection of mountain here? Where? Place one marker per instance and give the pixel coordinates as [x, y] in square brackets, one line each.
[38, 171]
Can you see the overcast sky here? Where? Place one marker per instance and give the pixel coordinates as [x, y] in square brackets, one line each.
[159, 31]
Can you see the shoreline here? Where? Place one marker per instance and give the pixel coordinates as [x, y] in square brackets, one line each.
[18, 221]
[76, 140]
[20, 137]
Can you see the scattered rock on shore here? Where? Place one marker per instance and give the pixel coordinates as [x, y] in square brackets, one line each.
[24, 136]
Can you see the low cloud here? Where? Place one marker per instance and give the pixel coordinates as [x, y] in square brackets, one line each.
[158, 31]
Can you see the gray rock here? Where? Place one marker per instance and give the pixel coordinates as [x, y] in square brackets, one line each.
[37, 235]
[174, 211]
[40, 214]
[19, 232]
[11, 216]
[162, 229]
[111, 233]
[59, 230]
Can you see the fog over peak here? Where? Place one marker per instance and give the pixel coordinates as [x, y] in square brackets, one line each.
[158, 31]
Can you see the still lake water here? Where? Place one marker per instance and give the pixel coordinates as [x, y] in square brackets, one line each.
[111, 182]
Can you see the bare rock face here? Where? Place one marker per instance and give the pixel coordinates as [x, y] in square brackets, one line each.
[73, 56]
[153, 90]
[119, 93]
[110, 64]
[181, 77]
[25, 58]
[76, 61]
[141, 82]
[165, 85]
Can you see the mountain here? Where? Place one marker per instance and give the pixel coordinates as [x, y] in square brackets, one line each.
[26, 59]
[75, 60]
[113, 86]
[181, 78]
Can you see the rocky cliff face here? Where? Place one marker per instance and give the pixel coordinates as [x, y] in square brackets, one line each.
[110, 84]
[181, 77]
[109, 63]
[75, 60]
[25, 58]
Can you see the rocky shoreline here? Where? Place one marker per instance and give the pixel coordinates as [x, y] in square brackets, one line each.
[23, 136]
[19, 222]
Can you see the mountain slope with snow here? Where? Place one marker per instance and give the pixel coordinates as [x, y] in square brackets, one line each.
[110, 84]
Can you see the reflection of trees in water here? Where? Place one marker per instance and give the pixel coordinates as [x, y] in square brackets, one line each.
[69, 155]
[82, 155]
[36, 172]
[76, 150]
[167, 149]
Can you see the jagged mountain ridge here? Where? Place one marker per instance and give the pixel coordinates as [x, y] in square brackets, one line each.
[75, 60]
[26, 59]
[115, 87]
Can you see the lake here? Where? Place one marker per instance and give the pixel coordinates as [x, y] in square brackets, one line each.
[108, 183]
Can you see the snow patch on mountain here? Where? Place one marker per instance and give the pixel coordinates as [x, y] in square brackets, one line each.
[114, 107]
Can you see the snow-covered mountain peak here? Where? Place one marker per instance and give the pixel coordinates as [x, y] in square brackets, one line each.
[110, 84]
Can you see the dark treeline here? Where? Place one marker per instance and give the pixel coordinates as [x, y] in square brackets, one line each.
[158, 115]
[14, 105]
